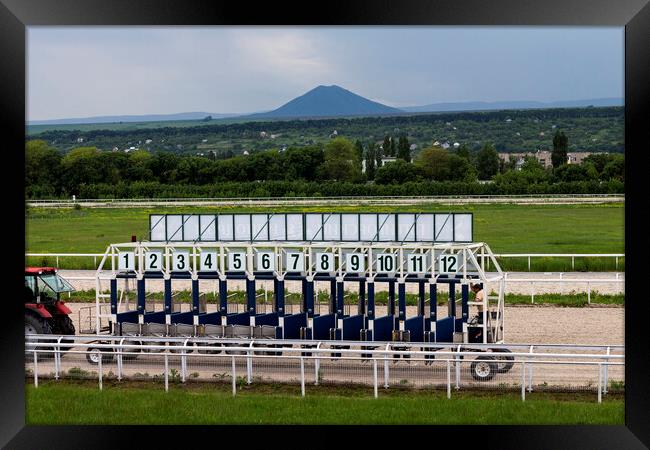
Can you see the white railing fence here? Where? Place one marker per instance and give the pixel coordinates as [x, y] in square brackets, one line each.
[525, 367]
[619, 197]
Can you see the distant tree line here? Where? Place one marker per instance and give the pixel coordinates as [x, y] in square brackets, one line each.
[335, 168]
[591, 129]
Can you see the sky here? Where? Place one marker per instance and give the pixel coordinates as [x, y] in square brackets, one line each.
[96, 71]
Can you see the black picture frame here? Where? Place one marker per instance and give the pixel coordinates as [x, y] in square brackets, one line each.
[634, 15]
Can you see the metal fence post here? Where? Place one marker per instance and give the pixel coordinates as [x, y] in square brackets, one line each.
[523, 381]
[588, 293]
[249, 366]
[99, 367]
[119, 360]
[35, 369]
[529, 263]
[448, 378]
[386, 368]
[166, 373]
[600, 381]
[234, 385]
[183, 361]
[317, 365]
[57, 359]
[302, 376]
[606, 375]
[532, 292]
[458, 369]
[573, 263]
[374, 376]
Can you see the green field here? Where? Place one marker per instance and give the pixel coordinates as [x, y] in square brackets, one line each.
[506, 228]
[148, 403]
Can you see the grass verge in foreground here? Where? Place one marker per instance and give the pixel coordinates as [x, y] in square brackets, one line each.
[82, 403]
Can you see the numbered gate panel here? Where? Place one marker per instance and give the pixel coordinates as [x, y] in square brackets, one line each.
[236, 261]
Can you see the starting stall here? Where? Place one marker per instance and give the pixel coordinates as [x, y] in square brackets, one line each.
[388, 277]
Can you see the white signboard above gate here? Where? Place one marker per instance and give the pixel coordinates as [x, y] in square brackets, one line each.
[312, 227]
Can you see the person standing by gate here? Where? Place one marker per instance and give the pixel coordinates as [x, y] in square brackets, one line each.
[477, 289]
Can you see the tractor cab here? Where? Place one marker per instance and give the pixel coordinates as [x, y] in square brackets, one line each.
[45, 312]
[44, 285]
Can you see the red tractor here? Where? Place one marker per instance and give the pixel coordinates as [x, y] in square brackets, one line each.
[45, 313]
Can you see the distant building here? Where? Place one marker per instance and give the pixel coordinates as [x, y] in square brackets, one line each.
[148, 141]
[334, 134]
[544, 157]
[246, 153]
[385, 160]
[80, 140]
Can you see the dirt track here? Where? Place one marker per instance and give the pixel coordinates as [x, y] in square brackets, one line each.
[532, 324]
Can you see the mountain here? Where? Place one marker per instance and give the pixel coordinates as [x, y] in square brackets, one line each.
[328, 101]
[140, 118]
[522, 104]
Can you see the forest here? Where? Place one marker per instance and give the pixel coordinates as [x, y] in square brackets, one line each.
[588, 129]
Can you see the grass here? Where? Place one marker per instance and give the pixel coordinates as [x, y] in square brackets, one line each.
[146, 403]
[506, 228]
[381, 298]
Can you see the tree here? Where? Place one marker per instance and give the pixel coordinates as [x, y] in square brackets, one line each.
[358, 146]
[80, 166]
[615, 169]
[599, 160]
[487, 162]
[404, 149]
[397, 172]
[434, 163]
[437, 164]
[575, 172]
[42, 165]
[386, 146]
[301, 163]
[560, 149]
[463, 151]
[341, 161]
[379, 152]
[371, 154]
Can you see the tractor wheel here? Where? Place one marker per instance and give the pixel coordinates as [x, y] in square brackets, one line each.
[93, 355]
[64, 325]
[504, 363]
[37, 325]
[483, 369]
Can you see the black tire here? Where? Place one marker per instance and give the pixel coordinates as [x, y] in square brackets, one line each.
[93, 355]
[37, 325]
[483, 369]
[64, 325]
[504, 363]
